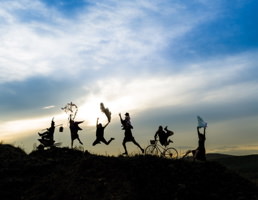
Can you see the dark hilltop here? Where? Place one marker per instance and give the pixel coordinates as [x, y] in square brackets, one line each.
[63, 173]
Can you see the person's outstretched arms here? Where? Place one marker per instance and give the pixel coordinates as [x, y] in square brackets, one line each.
[97, 122]
[106, 124]
[121, 118]
[198, 130]
[155, 136]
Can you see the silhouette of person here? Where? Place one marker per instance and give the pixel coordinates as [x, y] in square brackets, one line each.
[49, 134]
[74, 128]
[100, 134]
[199, 153]
[126, 124]
[163, 135]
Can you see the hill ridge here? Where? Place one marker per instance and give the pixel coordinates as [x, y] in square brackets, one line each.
[64, 173]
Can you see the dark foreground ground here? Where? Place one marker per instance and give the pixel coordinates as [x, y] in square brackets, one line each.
[63, 173]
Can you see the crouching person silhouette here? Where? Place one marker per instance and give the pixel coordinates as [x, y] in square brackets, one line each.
[199, 153]
[100, 134]
[49, 134]
[47, 137]
[74, 128]
[126, 124]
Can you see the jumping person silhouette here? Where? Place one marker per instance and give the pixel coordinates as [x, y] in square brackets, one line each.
[163, 135]
[199, 153]
[100, 134]
[126, 124]
[74, 128]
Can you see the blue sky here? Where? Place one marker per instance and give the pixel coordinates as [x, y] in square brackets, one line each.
[164, 62]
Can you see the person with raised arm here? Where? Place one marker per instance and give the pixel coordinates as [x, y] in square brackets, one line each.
[199, 153]
[100, 134]
[127, 126]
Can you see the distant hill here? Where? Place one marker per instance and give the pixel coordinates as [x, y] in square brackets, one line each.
[246, 166]
[63, 173]
[216, 156]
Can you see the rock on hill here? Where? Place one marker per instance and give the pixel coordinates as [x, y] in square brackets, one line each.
[62, 173]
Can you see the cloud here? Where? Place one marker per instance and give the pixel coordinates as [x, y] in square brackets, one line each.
[215, 80]
[48, 107]
[15, 128]
[235, 150]
[119, 40]
[158, 58]
[111, 37]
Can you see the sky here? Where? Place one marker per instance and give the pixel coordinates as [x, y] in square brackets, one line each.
[164, 62]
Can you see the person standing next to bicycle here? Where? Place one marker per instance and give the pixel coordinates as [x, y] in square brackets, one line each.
[126, 124]
[199, 153]
[163, 135]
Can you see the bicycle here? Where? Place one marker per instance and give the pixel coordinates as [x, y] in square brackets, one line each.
[157, 150]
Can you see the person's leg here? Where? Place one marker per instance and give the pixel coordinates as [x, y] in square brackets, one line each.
[79, 140]
[195, 154]
[200, 155]
[105, 142]
[95, 142]
[163, 141]
[43, 134]
[124, 141]
[136, 143]
[187, 152]
[169, 141]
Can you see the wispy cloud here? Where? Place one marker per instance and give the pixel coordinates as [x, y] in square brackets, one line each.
[209, 81]
[48, 107]
[116, 36]
[133, 55]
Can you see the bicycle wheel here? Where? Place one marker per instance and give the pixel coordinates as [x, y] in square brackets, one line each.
[151, 150]
[171, 153]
